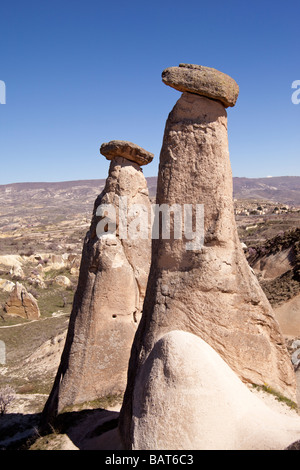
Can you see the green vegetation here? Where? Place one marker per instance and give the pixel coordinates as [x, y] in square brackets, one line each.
[23, 337]
[277, 395]
[105, 402]
[21, 341]
[54, 299]
[266, 229]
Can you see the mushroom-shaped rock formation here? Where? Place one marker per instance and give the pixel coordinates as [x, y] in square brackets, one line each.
[110, 292]
[210, 290]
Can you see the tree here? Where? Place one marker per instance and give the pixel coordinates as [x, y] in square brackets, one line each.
[7, 396]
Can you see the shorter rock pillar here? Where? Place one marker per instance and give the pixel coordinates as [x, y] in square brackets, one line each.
[111, 288]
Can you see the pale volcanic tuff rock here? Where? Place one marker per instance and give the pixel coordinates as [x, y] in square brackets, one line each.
[6, 285]
[108, 300]
[187, 397]
[211, 292]
[204, 81]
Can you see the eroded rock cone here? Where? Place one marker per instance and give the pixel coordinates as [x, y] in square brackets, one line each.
[22, 304]
[209, 292]
[109, 296]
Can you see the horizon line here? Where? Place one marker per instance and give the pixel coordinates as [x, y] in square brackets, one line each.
[147, 177]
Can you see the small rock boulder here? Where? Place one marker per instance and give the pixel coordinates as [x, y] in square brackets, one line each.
[63, 281]
[17, 272]
[6, 285]
[37, 281]
[22, 304]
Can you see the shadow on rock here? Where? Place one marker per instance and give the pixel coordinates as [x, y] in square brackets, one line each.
[75, 430]
[18, 430]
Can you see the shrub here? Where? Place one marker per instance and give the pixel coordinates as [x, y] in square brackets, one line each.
[7, 396]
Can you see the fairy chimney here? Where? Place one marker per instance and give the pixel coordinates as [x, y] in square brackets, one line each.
[209, 291]
[111, 287]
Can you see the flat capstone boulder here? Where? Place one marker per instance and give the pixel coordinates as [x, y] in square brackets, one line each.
[128, 150]
[204, 81]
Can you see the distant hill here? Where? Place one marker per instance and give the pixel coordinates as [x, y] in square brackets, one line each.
[281, 189]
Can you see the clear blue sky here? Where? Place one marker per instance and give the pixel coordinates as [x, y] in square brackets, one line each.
[80, 73]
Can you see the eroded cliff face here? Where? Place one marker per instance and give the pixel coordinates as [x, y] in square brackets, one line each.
[210, 292]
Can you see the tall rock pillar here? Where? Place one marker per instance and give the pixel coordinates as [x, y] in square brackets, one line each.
[210, 292]
[111, 288]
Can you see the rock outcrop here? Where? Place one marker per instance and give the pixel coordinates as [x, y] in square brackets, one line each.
[63, 281]
[187, 397]
[22, 304]
[210, 292]
[6, 285]
[110, 292]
